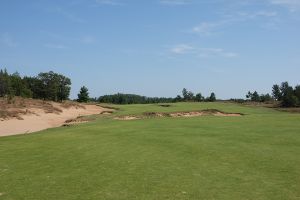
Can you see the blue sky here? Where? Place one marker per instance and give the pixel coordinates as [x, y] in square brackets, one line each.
[155, 47]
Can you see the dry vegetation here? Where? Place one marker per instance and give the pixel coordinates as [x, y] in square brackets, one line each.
[274, 105]
[206, 112]
[79, 120]
[19, 116]
[16, 107]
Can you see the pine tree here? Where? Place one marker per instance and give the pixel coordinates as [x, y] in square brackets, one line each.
[212, 97]
[83, 95]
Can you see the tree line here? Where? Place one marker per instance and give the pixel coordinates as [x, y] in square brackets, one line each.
[189, 96]
[287, 95]
[132, 99]
[46, 86]
[56, 87]
[120, 98]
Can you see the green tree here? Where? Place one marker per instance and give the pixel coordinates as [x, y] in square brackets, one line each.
[276, 92]
[5, 84]
[19, 87]
[289, 99]
[255, 97]
[83, 95]
[284, 88]
[178, 98]
[185, 94]
[52, 86]
[2, 84]
[64, 87]
[249, 95]
[199, 97]
[212, 97]
[297, 92]
[35, 86]
[265, 98]
[289, 96]
[47, 86]
[190, 95]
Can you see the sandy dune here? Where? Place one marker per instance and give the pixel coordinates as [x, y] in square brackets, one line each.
[40, 120]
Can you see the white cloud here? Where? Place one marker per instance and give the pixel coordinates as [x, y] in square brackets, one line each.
[185, 49]
[8, 40]
[206, 28]
[262, 13]
[55, 46]
[108, 2]
[210, 28]
[292, 5]
[181, 49]
[175, 2]
[215, 52]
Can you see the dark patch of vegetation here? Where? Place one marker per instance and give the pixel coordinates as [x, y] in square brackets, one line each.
[290, 110]
[238, 100]
[132, 99]
[284, 93]
[165, 105]
[107, 112]
[83, 95]
[46, 86]
[255, 97]
[188, 96]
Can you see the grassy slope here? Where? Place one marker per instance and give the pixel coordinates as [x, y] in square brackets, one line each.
[251, 157]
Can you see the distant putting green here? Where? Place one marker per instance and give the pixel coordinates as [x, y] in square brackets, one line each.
[255, 156]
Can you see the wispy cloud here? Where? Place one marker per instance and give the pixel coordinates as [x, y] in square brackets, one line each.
[262, 13]
[292, 5]
[8, 40]
[56, 38]
[181, 49]
[88, 40]
[207, 28]
[186, 49]
[211, 28]
[174, 2]
[108, 2]
[56, 46]
[215, 52]
[69, 15]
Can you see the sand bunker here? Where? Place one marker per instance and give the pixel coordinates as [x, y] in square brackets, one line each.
[35, 118]
[209, 112]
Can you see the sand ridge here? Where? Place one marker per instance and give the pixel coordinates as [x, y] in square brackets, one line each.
[208, 112]
[37, 119]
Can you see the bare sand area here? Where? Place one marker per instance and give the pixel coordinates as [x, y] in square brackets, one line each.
[38, 115]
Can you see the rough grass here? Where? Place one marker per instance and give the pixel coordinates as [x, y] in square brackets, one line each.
[291, 110]
[70, 104]
[251, 157]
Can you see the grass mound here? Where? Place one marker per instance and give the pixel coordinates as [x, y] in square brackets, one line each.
[205, 112]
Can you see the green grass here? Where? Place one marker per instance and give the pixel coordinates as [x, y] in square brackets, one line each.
[256, 156]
